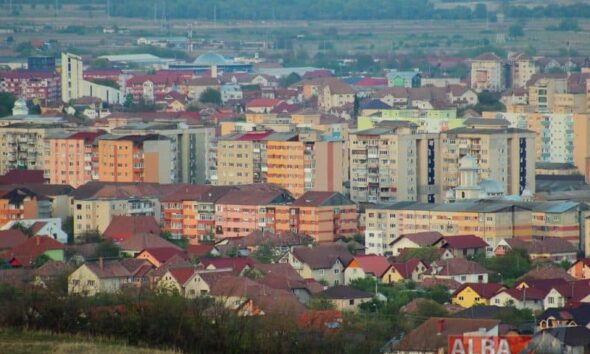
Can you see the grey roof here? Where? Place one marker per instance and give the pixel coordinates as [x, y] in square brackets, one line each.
[554, 165]
[486, 121]
[288, 136]
[210, 58]
[556, 207]
[374, 131]
[484, 206]
[489, 131]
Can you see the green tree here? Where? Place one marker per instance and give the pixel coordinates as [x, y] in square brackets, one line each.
[39, 261]
[6, 103]
[210, 95]
[289, 80]
[107, 249]
[515, 31]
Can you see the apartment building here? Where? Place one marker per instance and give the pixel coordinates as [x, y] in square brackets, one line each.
[558, 93]
[248, 208]
[560, 137]
[292, 160]
[189, 146]
[322, 215]
[487, 73]
[504, 154]
[394, 162]
[136, 158]
[30, 85]
[493, 221]
[73, 158]
[190, 211]
[522, 69]
[23, 145]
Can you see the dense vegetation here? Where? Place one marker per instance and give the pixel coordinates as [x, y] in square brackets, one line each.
[317, 10]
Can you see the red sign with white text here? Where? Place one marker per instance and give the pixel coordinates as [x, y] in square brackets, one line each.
[474, 344]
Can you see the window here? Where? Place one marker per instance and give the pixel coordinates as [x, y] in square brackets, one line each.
[90, 283]
[336, 271]
[351, 302]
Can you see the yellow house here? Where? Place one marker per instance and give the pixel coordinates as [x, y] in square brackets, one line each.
[471, 294]
[413, 269]
[181, 280]
[98, 277]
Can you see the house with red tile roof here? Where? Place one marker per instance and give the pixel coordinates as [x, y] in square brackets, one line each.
[197, 251]
[323, 263]
[181, 280]
[10, 239]
[326, 321]
[106, 276]
[22, 177]
[250, 298]
[459, 269]
[237, 265]
[416, 240]
[123, 227]
[412, 269]
[262, 105]
[530, 298]
[463, 246]
[369, 266]
[135, 244]
[346, 298]
[159, 256]
[25, 253]
[470, 294]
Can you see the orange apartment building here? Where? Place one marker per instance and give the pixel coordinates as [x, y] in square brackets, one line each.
[284, 159]
[322, 215]
[190, 211]
[135, 158]
[248, 208]
[73, 159]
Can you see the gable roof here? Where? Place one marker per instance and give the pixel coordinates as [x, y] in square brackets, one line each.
[464, 242]
[580, 313]
[237, 264]
[456, 266]
[339, 292]
[109, 269]
[322, 256]
[376, 265]
[51, 269]
[484, 290]
[320, 199]
[162, 254]
[11, 238]
[406, 269]
[199, 250]
[423, 239]
[527, 294]
[26, 252]
[143, 241]
[182, 274]
[123, 227]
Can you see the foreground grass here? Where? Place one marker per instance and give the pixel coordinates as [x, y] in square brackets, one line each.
[24, 342]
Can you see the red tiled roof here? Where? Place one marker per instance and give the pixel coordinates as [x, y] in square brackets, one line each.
[485, 291]
[123, 227]
[323, 256]
[237, 264]
[25, 253]
[465, 242]
[376, 265]
[140, 242]
[182, 275]
[371, 81]
[262, 102]
[11, 238]
[22, 176]
[406, 269]
[255, 135]
[527, 294]
[198, 250]
[24, 74]
[423, 239]
[162, 254]
[86, 136]
[457, 266]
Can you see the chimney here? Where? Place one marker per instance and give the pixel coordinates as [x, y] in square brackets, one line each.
[214, 71]
[440, 326]
[38, 241]
[100, 263]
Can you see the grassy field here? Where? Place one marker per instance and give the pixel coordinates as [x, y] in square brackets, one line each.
[40, 343]
[372, 37]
